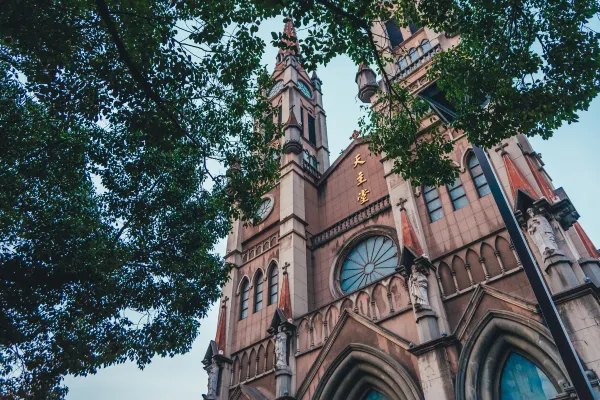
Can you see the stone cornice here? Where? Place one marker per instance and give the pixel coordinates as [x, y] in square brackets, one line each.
[565, 296]
[444, 341]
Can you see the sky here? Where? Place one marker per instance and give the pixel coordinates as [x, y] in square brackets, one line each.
[572, 161]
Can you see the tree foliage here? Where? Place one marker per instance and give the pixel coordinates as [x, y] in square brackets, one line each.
[118, 120]
[535, 62]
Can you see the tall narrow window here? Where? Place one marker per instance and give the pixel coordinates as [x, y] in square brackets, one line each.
[258, 292]
[457, 194]
[273, 284]
[245, 295]
[312, 137]
[393, 33]
[413, 28]
[477, 176]
[434, 205]
[280, 115]
[302, 121]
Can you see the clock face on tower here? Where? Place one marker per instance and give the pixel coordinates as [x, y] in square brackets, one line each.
[304, 89]
[276, 88]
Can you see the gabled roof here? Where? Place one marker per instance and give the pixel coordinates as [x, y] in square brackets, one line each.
[479, 293]
[346, 316]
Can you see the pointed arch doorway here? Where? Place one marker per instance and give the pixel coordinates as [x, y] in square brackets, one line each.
[362, 372]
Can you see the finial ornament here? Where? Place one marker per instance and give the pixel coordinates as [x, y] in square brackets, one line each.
[285, 267]
[501, 147]
[224, 301]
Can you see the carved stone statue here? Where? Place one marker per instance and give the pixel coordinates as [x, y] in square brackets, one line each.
[418, 287]
[281, 350]
[541, 233]
[213, 380]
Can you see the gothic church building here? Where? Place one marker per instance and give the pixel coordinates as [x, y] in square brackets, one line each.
[355, 285]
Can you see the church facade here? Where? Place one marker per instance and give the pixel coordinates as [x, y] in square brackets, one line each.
[356, 285]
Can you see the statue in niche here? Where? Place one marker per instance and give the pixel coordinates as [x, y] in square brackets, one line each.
[541, 233]
[281, 349]
[418, 287]
[213, 380]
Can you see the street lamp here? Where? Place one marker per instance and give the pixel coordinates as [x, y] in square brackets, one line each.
[540, 290]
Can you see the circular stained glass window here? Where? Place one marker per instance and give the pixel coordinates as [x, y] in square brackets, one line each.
[371, 259]
[265, 208]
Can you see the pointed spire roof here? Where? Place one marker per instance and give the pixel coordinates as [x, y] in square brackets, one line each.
[292, 121]
[587, 242]
[516, 179]
[409, 236]
[290, 32]
[285, 301]
[543, 184]
[221, 337]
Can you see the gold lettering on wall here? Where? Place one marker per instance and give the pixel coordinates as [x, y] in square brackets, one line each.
[358, 161]
[362, 196]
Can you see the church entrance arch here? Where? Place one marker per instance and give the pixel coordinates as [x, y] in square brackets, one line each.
[509, 356]
[361, 372]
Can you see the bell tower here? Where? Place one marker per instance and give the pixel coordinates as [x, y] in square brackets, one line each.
[294, 91]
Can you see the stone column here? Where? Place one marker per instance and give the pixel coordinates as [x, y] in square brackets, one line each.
[434, 368]
[560, 274]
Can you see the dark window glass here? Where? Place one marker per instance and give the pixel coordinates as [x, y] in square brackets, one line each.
[314, 162]
[477, 175]
[273, 285]
[245, 295]
[434, 205]
[302, 121]
[413, 28]
[393, 33]
[457, 194]
[312, 137]
[258, 292]
[438, 102]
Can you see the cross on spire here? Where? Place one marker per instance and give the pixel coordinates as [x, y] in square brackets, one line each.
[285, 267]
[501, 147]
[401, 202]
[224, 301]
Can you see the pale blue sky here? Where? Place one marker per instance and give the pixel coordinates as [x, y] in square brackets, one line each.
[571, 160]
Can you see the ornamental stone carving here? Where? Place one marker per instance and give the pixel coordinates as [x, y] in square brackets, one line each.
[541, 233]
[213, 380]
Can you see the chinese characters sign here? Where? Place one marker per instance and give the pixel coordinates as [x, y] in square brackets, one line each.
[360, 179]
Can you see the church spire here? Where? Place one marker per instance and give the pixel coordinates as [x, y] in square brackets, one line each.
[409, 236]
[221, 336]
[290, 38]
[285, 302]
[516, 179]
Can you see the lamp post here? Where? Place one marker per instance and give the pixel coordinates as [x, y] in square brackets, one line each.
[540, 289]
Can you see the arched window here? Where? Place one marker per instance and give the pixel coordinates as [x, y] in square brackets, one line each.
[413, 54]
[258, 292]
[477, 176]
[374, 395]
[522, 379]
[273, 284]
[393, 33]
[369, 260]
[245, 294]
[457, 194]
[425, 46]
[434, 205]
[402, 63]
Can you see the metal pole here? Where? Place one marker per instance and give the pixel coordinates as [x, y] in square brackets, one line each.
[561, 338]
